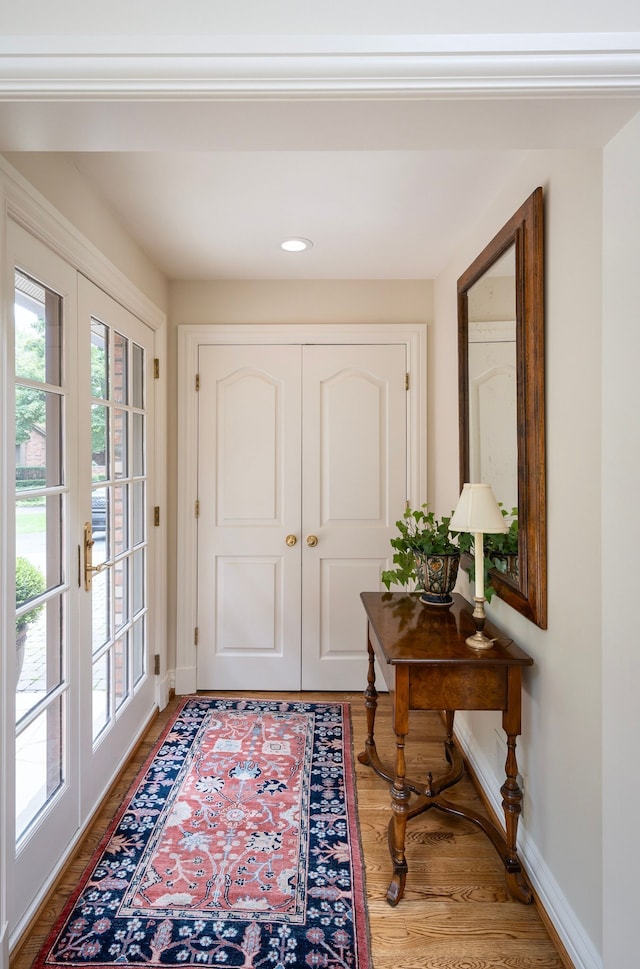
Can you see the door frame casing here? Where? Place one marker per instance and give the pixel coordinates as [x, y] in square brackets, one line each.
[190, 337]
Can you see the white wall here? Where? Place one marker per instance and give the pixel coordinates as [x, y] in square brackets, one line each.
[333, 16]
[62, 184]
[560, 749]
[301, 301]
[620, 541]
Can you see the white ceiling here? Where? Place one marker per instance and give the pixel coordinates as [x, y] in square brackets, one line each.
[384, 184]
[370, 214]
[371, 211]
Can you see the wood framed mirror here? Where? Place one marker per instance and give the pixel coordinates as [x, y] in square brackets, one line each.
[501, 376]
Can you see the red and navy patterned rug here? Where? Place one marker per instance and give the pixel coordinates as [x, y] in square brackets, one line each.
[236, 846]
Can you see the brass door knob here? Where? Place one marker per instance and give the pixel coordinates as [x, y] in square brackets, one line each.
[312, 540]
[291, 540]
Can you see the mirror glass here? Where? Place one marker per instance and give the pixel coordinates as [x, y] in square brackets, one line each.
[493, 444]
[501, 391]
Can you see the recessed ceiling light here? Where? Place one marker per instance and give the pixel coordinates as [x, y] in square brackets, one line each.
[297, 244]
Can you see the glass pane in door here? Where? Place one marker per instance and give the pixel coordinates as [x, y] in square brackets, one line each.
[40, 583]
[119, 589]
[40, 754]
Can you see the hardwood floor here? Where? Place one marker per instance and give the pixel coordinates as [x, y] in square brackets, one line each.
[456, 913]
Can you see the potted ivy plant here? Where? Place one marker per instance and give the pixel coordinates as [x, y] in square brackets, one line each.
[29, 584]
[427, 555]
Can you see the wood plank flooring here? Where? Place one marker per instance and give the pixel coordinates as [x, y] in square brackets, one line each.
[455, 914]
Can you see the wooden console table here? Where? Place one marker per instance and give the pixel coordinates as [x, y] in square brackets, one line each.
[427, 665]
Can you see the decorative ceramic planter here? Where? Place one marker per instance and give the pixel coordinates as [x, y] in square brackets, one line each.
[437, 575]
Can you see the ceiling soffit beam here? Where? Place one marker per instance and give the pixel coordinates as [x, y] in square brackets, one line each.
[495, 66]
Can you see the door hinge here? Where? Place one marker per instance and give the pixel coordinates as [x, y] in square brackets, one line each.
[196, 635]
[156, 665]
[197, 381]
[156, 515]
[406, 381]
[197, 509]
[156, 369]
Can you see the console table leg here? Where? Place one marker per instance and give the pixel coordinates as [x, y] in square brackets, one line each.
[512, 806]
[400, 795]
[371, 705]
[449, 743]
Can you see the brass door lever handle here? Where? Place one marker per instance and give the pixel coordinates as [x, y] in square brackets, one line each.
[89, 567]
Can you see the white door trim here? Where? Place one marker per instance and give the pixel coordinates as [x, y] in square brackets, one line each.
[190, 337]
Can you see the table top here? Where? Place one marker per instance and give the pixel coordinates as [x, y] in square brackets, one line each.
[412, 632]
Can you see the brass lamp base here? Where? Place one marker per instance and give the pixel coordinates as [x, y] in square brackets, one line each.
[479, 640]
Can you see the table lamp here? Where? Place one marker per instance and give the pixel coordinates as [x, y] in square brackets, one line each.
[478, 511]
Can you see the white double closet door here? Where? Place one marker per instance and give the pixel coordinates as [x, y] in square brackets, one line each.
[302, 473]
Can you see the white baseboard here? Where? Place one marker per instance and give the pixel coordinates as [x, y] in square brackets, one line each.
[163, 687]
[185, 680]
[573, 935]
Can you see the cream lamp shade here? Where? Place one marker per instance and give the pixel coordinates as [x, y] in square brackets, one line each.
[477, 511]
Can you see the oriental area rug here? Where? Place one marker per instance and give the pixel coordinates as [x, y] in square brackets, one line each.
[237, 845]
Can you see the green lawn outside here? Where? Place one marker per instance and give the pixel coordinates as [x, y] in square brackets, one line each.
[30, 519]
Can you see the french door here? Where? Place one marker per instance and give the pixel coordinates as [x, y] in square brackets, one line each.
[302, 473]
[80, 684]
[42, 783]
[116, 529]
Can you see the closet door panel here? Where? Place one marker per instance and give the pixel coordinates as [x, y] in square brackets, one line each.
[354, 486]
[249, 503]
